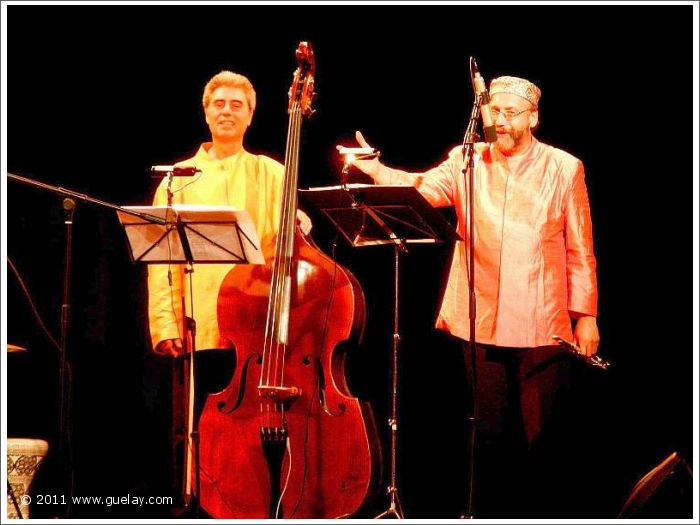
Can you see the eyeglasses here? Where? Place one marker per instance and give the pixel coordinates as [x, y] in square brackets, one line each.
[507, 114]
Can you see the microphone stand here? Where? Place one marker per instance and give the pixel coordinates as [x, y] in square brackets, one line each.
[83, 197]
[64, 448]
[192, 504]
[468, 150]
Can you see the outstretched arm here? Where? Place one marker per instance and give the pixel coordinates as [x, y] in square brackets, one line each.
[437, 185]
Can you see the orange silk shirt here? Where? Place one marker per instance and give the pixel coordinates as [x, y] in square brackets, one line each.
[534, 261]
[244, 181]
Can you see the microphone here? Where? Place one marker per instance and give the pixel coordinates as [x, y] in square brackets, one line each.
[177, 171]
[350, 155]
[362, 152]
[482, 92]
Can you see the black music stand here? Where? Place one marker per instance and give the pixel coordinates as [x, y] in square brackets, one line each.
[370, 215]
[188, 234]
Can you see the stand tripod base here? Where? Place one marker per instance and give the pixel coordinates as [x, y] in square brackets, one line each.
[394, 510]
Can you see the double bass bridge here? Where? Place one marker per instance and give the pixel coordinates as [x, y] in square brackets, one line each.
[279, 393]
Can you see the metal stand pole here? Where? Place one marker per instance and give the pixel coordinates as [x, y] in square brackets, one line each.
[65, 449]
[394, 509]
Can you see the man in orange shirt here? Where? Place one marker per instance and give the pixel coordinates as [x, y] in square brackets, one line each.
[534, 272]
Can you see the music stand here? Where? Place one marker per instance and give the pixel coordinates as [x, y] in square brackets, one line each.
[370, 215]
[188, 234]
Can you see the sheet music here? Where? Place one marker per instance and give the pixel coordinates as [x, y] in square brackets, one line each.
[213, 233]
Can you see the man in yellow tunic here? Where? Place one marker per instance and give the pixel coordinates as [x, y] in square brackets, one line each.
[229, 176]
[535, 273]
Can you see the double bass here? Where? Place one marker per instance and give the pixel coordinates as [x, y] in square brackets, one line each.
[285, 438]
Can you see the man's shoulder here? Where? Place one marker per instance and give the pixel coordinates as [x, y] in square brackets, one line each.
[562, 157]
[267, 161]
[264, 164]
[261, 163]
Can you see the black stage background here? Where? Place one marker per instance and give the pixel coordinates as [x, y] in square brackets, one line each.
[98, 94]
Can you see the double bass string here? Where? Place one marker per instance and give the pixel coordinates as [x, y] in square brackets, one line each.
[288, 222]
[273, 366]
[273, 303]
[290, 209]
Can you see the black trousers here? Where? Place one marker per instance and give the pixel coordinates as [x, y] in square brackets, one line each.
[517, 394]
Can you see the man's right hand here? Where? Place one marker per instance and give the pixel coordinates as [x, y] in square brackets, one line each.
[171, 347]
[370, 166]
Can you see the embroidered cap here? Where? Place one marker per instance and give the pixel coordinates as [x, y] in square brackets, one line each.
[516, 86]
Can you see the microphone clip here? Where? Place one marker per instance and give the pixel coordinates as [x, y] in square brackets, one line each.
[350, 155]
[174, 171]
